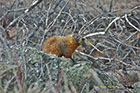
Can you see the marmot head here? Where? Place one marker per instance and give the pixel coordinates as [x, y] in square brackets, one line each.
[77, 38]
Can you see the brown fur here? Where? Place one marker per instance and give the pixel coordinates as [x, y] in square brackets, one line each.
[61, 45]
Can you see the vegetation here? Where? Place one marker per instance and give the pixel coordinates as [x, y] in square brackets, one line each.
[107, 62]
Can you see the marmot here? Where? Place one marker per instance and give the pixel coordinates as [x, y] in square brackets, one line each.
[62, 45]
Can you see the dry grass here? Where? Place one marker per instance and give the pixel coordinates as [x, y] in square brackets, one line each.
[108, 61]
